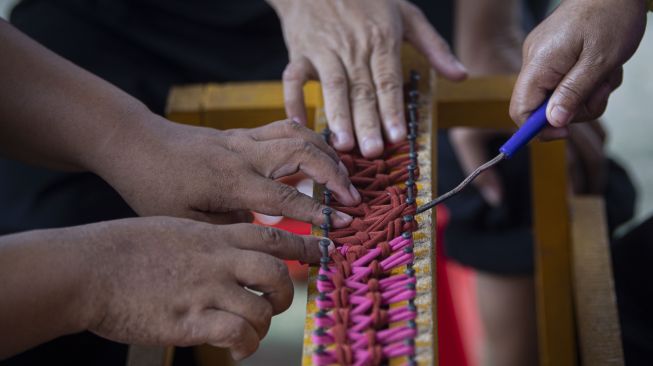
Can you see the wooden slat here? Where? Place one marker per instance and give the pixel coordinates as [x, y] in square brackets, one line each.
[235, 105]
[556, 336]
[596, 305]
[185, 104]
[150, 356]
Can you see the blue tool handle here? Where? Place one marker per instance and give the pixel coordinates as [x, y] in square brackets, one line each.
[533, 125]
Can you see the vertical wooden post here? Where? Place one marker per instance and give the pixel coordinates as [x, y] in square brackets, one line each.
[596, 304]
[553, 291]
[434, 193]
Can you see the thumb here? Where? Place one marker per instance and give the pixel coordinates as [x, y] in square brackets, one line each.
[421, 34]
[569, 97]
[226, 330]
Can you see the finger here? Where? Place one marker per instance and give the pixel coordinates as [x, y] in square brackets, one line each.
[274, 198]
[469, 146]
[288, 156]
[421, 34]
[616, 78]
[576, 87]
[292, 129]
[598, 129]
[386, 72]
[336, 100]
[247, 305]
[226, 330]
[595, 105]
[295, 75]
[278, 243]
[264, 273]
[227, 218]
[362, 97]
[489, 185]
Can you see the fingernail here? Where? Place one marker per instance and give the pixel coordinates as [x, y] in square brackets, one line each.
[298, 120]
[342, 141]
[346, 219]
[331, 246]
[396, 133]
[354, 193]
[371, 147]
[560, 116]
[460, 66]
[491, 196]
[343, 168]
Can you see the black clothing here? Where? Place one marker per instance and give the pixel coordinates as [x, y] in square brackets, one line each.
[631, 257]
[499, 239]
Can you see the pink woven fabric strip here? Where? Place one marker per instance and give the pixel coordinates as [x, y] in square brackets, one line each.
[359, 321]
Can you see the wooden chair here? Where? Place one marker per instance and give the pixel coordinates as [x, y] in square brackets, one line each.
[576, 305]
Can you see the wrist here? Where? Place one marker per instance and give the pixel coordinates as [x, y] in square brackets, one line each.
[120, 142]
[66, 252]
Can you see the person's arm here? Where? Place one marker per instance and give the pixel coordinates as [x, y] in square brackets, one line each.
[576, 56]
[42, 277]
[488, 39]
[150, 281]
[54, 113]
[354, 49]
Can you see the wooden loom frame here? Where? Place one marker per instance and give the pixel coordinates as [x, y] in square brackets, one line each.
[576, 305]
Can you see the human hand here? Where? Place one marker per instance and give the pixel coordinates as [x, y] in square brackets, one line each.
[165, 281]
[208, 175]
[576, 55]
[354, 49]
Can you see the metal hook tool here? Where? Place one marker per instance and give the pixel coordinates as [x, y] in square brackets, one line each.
[533, 125]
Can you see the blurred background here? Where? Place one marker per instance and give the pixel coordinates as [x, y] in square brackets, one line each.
[630, 131]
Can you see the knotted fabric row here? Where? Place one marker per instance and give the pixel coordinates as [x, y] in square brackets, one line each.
[366, 285]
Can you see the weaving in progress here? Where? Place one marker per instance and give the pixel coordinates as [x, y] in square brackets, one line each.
[366, 286]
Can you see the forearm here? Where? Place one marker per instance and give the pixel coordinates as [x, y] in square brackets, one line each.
[482, 26]
[42, 279]
[54, 113]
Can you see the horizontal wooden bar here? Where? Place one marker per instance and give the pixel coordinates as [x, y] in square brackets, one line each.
[480, 102]
[236, 105]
